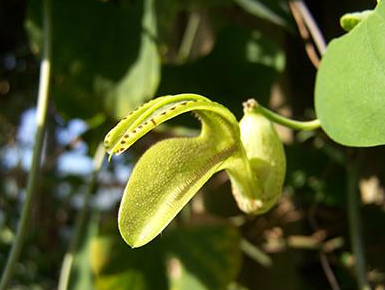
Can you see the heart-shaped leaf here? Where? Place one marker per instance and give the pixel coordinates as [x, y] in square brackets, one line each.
[350, 84]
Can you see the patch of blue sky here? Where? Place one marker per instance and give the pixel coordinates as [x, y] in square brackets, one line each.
[123, 172]
[75, 128]
[107, 198]
[9, 156]
[75, 163]
[13, 156]
[27, 128]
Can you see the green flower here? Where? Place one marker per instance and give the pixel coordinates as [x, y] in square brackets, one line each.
[168, 175]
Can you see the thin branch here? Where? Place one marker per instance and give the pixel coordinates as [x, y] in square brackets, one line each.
[42, 105]
[189, 36]
[355, 223]
[255, 253]
[308, 27]
[304, 33]
[302, 243]
[329, 271]
[65, 272]
[312, 26]
[326, 267]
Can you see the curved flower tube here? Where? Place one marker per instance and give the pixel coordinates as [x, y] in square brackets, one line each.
[168, 175]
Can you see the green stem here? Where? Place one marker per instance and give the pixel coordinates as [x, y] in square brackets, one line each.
[304, 242]
[65, 272]
[255, 253]
[276, 118]
[355, 224]
[189, 36]
[42, 105]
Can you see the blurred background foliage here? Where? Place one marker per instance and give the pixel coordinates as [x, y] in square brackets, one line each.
[109, 57]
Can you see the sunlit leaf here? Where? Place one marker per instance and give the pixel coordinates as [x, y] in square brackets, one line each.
[142, 78]
[81, 272]
[205, 257]
[116, 265]
[197, 258]
[130, 279]
[350, 84]
[104, 57]
[350, 20]
[256, 61]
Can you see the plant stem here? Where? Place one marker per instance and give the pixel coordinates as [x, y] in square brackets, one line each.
[312, 27]
[307, 26]
[189, 36]
[276, 118]
[42, 105]
[329, 272]
[65, 272]
[304, 33]
[255, 253]
[355, 224]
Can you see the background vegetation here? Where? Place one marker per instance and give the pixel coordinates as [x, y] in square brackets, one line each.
[110, 56]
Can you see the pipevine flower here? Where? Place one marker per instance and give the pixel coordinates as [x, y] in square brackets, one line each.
[169, 174]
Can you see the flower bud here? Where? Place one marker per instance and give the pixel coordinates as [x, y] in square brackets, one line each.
[266, 157]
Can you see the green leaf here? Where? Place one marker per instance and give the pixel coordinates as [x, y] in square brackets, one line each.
[305, 175]
[81, 271]
[131, 279]
[197, 258]
[350, 20]
[116, 266]
[254, 65]
[209, 257]
[350, 84]
[100, 62]
[142, 78]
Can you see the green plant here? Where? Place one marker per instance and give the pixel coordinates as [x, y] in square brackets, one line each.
[42, 105]
[171, 172]
[348, 102]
